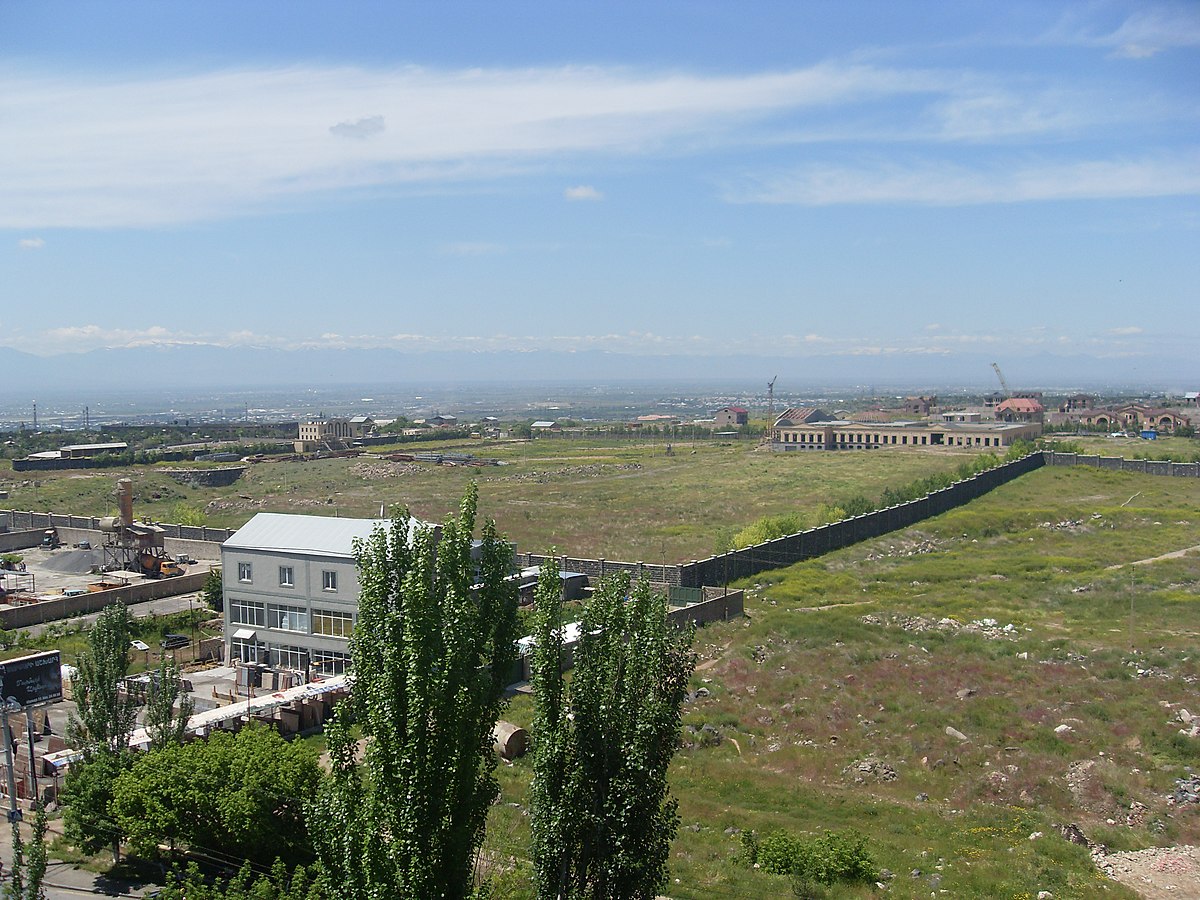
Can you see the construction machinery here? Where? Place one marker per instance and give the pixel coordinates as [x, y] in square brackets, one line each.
[1003, 383]
[135, 546]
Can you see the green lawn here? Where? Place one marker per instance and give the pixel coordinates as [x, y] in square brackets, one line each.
[800, 695]
[612, 498]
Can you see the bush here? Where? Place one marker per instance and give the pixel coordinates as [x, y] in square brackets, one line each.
[828, 858]
[768, 528]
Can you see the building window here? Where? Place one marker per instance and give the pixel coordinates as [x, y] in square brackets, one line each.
[246, 651]
[244, 572]
[286, 657]
[247, 612]
[329, 580]
[332, 623]
[287, 618]
[329, 662]
[287, 576]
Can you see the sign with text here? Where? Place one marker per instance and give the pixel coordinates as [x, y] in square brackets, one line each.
[31, 680]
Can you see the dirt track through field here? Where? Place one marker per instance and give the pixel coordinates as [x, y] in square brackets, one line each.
[1174, 554]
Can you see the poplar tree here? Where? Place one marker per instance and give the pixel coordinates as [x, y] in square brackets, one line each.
[101, 731]
[164, 724]
[432, 651]
[600, 808]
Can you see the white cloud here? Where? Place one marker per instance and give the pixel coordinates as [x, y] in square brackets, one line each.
[582, 192]
[35, 243]
[946, 184]
[359, 129]
[138, 151]
[1113, 341]
[1150, 30]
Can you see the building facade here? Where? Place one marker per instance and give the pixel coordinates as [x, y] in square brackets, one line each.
[291, 590]
[318, 434]
[842, 435]
[731, 417]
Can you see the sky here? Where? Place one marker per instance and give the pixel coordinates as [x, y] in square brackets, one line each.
[697, 179]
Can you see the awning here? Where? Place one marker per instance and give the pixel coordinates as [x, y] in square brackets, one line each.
[243, 634]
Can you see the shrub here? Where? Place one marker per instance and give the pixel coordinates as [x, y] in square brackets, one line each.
[828, 858]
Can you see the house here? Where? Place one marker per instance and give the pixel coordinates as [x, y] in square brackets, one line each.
[291, 590]
[919, 406]
[1077, 402]
[1020, 409]
[731, 417]
[361, 426]
[318, 434]
[545, 425]
[1135, 417]
[442, 421]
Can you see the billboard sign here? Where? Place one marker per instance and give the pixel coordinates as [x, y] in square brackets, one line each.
[31, 680]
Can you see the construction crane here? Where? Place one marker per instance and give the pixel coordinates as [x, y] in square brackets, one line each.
[771, 402]
[1003, 383]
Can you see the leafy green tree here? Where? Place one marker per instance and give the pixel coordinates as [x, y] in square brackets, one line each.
[243, 793]
[433, 650]
[28, 861]
[101, 731]
[164, 723]
[213, 592]
[106, 714]
[184, 513]
[280, 884]
[600, 809]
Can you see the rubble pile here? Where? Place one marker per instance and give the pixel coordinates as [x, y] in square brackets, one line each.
[1187, 790]
[592, 470]
[870, 768]
[374, 470]
[989, 628]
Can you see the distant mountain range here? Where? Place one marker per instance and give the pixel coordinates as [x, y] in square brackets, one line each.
[199, 367]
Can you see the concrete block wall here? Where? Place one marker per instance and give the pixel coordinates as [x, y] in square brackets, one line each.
[19, 540]
[1120, 464]
[94, 601]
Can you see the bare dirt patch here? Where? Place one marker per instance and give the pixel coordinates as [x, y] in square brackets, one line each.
[1160, 873]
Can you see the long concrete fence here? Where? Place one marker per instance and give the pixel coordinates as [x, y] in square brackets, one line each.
[204, 542]
[93, 601]
[794, 548]
[1120, 464]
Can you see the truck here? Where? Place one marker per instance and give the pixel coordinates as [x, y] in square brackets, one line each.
[159, 566]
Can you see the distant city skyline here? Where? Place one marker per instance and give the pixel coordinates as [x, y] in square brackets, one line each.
[913, 187]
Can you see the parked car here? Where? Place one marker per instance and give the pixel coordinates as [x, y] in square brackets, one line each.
[175, 641]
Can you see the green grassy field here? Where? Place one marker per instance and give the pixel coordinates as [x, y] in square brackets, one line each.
[831, 699]
[616, 499]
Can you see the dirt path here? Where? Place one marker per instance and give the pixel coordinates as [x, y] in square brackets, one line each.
[1174, 554]
[1160, 873]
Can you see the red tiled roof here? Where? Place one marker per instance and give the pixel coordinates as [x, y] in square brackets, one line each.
[1021, 404]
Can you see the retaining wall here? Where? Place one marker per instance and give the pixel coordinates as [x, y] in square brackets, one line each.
[19, 540]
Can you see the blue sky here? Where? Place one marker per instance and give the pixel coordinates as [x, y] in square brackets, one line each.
[818, 179]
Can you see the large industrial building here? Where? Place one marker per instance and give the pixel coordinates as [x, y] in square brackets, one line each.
[845, 435]
[291, 590]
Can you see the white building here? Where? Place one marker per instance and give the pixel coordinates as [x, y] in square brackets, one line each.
[291, 590]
